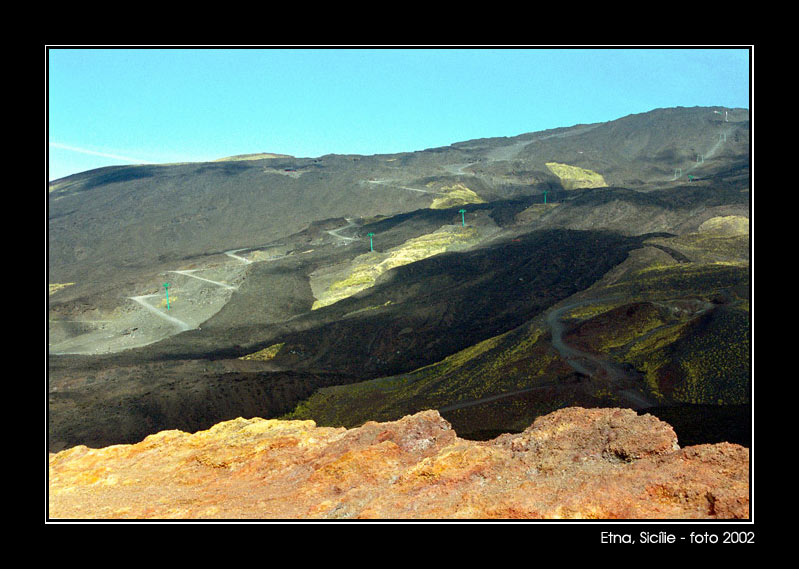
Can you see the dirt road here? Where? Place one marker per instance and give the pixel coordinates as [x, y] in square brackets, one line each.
[232, 255]
[592, 364]
[179, 323]
[393, 184]
[189, 274]
[335, 232]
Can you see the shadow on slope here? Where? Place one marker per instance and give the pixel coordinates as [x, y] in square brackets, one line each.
[438, 306]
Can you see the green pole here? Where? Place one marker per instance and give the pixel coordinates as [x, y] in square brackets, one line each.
[545, 196]
[166, 286]
[463, 218]
[371, 247]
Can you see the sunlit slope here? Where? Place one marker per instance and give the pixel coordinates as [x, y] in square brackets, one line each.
[113, 221]
[518, 362]
[424, 311]
[676, 312]
[573, 177]
[685, 323]
[364, 270]
[675, 210]
[456, 195]
[646, 149]
[121, 219]
[679, 315]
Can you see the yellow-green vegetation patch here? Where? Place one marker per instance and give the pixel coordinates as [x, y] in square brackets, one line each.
[618, 327]
[670, 281]
[727, 224]
[264, 355]
[719, 240]
[573, 177]
[694, 273]
[509, 362]
[703, 361]
[53, 288]
[652, 354]
[455, 195]
[458, 359]
[709, 247]
[368, 268]
[589, 311]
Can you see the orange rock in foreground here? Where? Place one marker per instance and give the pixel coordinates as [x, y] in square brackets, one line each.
[573, 463]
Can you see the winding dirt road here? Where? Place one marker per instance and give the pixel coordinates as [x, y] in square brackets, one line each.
[393, 184]
[592, 364]
[583, 362]
[188, 274]
[232, 255]
[179, 323]
[335, 232]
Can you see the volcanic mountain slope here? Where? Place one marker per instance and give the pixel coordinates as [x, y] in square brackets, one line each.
[660, 331]
[489, 275]
[108, 224]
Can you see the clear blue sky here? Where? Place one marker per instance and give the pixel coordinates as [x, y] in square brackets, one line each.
[127, 106]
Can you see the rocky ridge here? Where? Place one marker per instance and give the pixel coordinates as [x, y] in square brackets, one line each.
[574, 463]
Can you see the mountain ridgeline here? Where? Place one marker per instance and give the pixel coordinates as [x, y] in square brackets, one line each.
[494, 280]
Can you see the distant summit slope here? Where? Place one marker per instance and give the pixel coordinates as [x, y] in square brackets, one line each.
[650, 148]
[147, 212]
[256, 156]
[115, 227]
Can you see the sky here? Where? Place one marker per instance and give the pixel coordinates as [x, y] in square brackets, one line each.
[117, 106]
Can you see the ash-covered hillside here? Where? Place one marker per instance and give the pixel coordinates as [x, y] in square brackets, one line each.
[490, 280]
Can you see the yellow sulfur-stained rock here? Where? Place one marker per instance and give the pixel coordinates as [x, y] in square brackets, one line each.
[574, 463]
